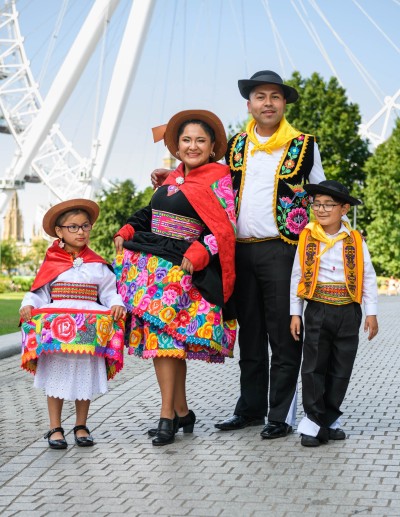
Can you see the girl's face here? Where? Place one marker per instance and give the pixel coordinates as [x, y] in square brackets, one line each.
[195, 147]
[79, 237]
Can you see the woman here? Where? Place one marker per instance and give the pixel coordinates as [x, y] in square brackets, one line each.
[177, 270]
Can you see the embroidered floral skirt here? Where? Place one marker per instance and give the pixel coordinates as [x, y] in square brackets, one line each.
[168, 317]
[73, 331]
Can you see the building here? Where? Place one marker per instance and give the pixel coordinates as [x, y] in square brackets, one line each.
[13, 224]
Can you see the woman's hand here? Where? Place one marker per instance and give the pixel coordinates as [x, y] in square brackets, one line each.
[158, 176]
[26, 312]
[118, 312]
[118, 242]
[295, 327]
[187, 265]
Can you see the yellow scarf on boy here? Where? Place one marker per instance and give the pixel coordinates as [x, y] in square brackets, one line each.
[282, 136]
[319, 234]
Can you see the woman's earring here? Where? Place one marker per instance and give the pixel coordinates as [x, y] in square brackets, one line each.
[212, 155]
[177, 154]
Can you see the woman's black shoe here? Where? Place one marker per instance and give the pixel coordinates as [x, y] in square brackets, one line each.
[166, 431]
[83, 441]
[56, 444]
[186, 422]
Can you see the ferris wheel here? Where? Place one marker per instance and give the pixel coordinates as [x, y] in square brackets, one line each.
[44, 155]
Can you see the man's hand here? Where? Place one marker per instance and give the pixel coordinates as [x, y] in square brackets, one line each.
[158, 176]
[371, 324]
[295, 327]
[26, 312]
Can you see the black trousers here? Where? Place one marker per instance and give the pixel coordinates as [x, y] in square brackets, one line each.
[262, 289]
[330, 347]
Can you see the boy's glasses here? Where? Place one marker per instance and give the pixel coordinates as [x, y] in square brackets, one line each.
[74, 228]
[326, 208]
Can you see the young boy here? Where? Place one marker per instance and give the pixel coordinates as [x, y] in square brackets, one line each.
[333, 271]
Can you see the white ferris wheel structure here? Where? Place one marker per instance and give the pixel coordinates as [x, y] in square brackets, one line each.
[43, 154]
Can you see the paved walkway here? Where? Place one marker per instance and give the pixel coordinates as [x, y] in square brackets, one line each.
[209, 473]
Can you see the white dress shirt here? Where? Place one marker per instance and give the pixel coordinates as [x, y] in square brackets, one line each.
[257, 212]
[331, 269]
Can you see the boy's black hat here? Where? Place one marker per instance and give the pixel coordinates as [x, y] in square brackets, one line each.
[334, 189]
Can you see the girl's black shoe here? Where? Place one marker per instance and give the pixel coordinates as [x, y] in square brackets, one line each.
[166, 431]
[185, 422]
[83, 441]
[56, 444]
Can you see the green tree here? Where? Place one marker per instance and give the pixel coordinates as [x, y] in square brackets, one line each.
[324, 110]
[116, 205]
[381, 198]
[11, 256]
[36, 254]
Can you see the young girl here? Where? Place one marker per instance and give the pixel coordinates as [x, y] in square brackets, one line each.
[72, 330]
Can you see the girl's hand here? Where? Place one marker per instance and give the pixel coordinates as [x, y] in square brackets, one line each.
[187, 265]
[26, 312]
[295, 327]
[119, 241]
[118, 312]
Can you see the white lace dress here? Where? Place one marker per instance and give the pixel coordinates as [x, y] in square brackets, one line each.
[75, 376]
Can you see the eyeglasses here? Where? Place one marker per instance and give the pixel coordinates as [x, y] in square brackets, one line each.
[74, 228]
[326, 208]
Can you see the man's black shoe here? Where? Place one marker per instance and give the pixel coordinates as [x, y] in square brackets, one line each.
[276, 430]
[337, 434]
[238, 422]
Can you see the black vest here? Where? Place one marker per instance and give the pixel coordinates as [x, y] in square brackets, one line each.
[291, 202]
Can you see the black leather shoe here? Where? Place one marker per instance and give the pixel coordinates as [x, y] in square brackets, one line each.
[276, 430]
[166, 431]
[56, 444]
[185, 422]
[337, 434]
[83, 441]
[309, 441]
[238, 422]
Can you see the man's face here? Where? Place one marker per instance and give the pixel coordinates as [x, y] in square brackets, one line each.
[267, 106]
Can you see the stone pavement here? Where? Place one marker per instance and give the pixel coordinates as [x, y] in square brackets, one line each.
[209, 473]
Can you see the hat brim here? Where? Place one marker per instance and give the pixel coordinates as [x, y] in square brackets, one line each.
[246, 85]
[314, 189]
[51, 216]
[171, 132]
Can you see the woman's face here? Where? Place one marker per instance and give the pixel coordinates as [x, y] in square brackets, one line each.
[195, 147]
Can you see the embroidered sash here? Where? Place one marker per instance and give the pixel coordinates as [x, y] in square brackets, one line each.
[353, 262]
[175, 226]
[73, 291]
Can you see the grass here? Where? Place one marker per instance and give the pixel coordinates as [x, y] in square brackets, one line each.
[9, 307]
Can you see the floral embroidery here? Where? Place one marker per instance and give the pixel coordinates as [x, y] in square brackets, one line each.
[211, 244]
[238, 150]
[224, 192]
[168, 316]
[296, 220]
[292, 155]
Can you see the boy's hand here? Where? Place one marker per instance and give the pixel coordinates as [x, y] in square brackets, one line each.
[295, 327]
[118, 312]
[371, 324]
[26, 312]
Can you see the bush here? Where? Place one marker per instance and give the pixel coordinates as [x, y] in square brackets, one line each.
[5, 285]
[22, 283]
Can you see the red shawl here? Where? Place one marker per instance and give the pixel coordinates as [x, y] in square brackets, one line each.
[57, 260]
[197, 190]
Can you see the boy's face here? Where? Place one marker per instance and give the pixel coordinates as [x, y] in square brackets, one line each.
[329, 212]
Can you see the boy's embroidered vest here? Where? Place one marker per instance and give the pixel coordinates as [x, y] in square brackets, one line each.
[290, 201]
[353, 261]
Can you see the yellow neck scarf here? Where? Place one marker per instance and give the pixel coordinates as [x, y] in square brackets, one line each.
[319, 233]
[282, 136]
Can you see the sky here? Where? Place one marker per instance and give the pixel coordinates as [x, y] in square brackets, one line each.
[193, 55]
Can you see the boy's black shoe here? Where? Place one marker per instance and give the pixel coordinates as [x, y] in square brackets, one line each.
[309, 441]
[337, 434]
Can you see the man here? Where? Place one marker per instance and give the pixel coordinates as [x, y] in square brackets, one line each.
[270, 162]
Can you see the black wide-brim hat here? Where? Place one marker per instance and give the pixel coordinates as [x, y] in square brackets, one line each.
[332, 188]
[267, 77]
[51, 216]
